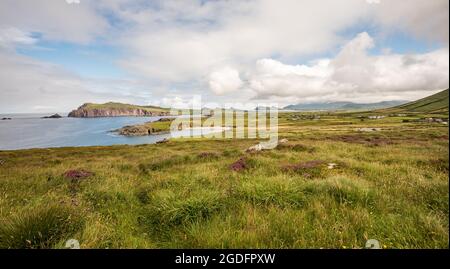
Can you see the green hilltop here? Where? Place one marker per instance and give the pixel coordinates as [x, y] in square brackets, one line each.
[116, 105]
[436, 103]
[113, 109]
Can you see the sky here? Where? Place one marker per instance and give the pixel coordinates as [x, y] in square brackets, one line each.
[58, 54]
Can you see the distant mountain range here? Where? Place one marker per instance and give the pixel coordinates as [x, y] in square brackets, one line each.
[344, 106]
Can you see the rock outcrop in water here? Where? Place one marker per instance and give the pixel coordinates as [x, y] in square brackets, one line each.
[161, 126]
[116, 110]
[54, 116]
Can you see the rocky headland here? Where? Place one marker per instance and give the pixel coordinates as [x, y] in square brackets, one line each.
[111, 109]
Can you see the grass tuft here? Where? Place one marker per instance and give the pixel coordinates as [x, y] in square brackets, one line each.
[167, 209]
[41, 227]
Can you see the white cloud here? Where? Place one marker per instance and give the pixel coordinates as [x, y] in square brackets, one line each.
[218, 45]
[54, 19]
[273, 78]
[177, 41]
[353, 75]
[225, 80]
[30, 85]
[353, 65]
[175, 101]
[425, 19]
[11, 37]
[186, 40]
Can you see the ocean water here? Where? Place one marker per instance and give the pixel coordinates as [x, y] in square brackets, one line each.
[26, 131]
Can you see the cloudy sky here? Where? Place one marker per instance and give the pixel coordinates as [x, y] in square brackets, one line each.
[58, 54]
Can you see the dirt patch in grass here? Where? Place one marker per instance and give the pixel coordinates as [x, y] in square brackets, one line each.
[239, 165]
[379, 141]
[77, 174]
[440, 165]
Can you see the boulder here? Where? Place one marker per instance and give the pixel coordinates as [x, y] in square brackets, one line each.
[262, 146]
[255, 148]
[331, 165]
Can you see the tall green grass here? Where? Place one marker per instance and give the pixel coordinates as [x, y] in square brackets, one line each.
[41, 227]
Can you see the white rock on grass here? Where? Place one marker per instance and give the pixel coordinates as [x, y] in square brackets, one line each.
[255, 148]
[72, 244]
[331, 165]
[262, 146]
[368, 129]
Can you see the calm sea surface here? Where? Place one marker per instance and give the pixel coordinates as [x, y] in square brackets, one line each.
[30, 131]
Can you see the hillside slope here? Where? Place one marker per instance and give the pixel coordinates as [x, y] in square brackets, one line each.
[111, 109]
[343, 106]
[436, 103]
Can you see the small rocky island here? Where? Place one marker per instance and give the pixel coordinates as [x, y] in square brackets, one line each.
[112, 109]
[54, 116]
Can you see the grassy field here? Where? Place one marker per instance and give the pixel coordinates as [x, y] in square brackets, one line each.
[391, 185]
